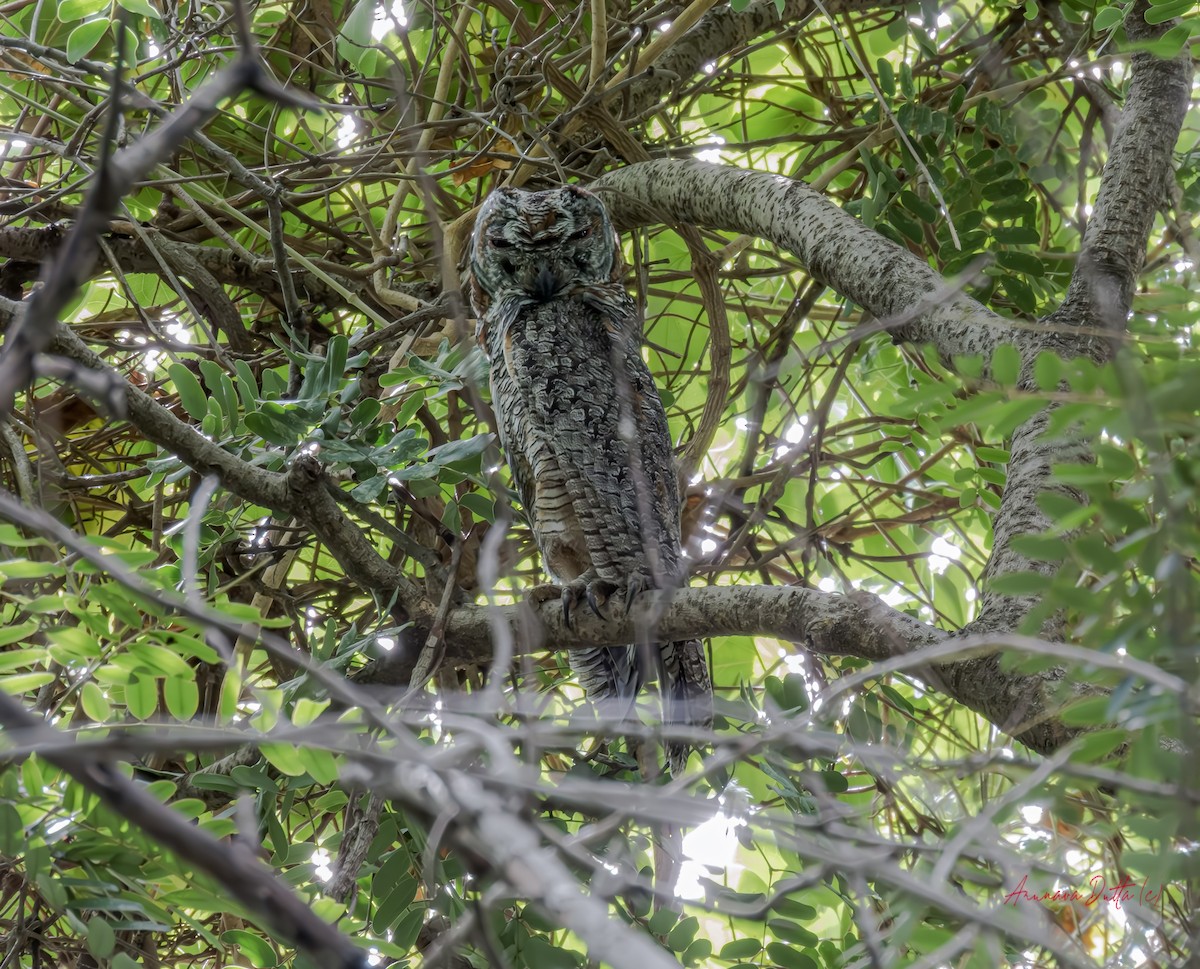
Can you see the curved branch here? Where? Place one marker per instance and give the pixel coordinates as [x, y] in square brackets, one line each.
[908, 297]
[723, 31]
[859, 625]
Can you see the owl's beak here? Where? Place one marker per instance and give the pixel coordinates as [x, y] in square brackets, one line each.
[546, 285]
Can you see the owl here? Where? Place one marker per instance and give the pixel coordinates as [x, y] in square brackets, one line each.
[584, 430]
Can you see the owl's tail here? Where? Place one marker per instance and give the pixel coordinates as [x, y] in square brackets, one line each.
[686, 692]
[610, 676]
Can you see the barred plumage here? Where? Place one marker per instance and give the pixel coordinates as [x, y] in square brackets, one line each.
[583, 427]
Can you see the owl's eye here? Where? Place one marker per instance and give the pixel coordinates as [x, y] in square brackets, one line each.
[499, 242]
[581, 234]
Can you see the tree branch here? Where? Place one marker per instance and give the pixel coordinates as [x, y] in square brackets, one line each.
[115, 177]
[859, 625]
[725, 30]
[1133, 188]
[1133, 185]
[233, 865]
[908, 297]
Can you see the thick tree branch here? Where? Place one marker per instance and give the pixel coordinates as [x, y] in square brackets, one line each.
[912, 300]
[1133, 188]
[859, 625]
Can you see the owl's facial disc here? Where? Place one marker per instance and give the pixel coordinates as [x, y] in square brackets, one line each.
[542, 245]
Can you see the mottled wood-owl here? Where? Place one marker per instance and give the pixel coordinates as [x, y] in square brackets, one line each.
[584, 430]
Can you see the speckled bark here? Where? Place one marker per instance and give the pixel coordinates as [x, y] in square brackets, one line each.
[1133, 188]
[859, 625]
[888, 281]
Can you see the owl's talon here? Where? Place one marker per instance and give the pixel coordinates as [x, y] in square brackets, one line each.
[572, 593]
[595, 603]
[636, 585]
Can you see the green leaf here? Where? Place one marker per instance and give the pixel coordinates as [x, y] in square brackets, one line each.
[456, 451]
[320, 764]
[270, 430]
[1107, 18]
[1087, 713]
[17, 632]
[395, 902]
[741, 949]
[250, 946]
[13, 659]
[191, 394]
[791, 932]
[307, 710]
[29, 569]
[682, 935]
[1021, 262]
[1118, 463]
[1097, 745]
[662, 921]
[365, 412]
[540, 954]
[25, 682]
[836, 782]
[142, 7]
[247, 386]
[370, 489]
[1019, 584]
[1047, 370]
[789, 957]
[1168, 11]
[357, 27]
[887, 78]
[996, 455]
[181, 696]
[405, 933]
[101, 939]
[12, 829]
[69, 11]
[481, 506]
[285, 758]
[95, 704]
[84, 38]
[1016, 235]
[141, 697]
[1006, 365]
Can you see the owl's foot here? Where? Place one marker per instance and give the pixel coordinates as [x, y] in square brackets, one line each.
[587, 588]
[542, 593]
